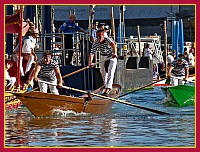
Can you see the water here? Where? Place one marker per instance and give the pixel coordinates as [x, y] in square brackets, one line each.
[124, 126]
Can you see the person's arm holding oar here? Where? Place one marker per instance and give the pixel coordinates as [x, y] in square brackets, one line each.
[82, 69]
[91, 57]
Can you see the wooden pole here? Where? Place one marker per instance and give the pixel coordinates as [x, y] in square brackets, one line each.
[139, 40]
[165, 46]
[112, 23]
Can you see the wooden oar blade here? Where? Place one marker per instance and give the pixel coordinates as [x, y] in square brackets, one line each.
[152, 110]
[131, 104]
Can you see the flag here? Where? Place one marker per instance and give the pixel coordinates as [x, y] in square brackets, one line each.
[12, 23]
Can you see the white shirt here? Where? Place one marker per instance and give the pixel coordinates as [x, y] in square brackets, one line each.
[28, 46]
[191, 59]
[148, 53]
[170, 58]
[7, 75]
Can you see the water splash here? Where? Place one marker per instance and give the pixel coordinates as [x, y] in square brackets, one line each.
[65, 113]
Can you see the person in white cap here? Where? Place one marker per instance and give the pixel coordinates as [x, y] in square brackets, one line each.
[28, 53]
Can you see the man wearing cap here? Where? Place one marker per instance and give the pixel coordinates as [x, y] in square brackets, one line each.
[69, 28]
[48, 70]
[103, 26]
[178, 71]
[28, 53]
[107, 48]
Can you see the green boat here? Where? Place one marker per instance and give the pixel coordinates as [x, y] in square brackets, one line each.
[181, 95]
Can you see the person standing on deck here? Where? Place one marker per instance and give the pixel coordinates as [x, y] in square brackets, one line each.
[178, 71]
[148, 52]
[69, 28]
[191, 58]
[48, 70]
[28, 52]
[107, 48]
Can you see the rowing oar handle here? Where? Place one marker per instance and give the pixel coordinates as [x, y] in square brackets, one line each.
[141, 87]
[77, 71]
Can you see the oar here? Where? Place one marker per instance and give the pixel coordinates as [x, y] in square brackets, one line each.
[77, 71]
[112, 99]
[141, 87]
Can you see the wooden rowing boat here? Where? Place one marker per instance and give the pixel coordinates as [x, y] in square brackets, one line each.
[181, 95]
[47, 104]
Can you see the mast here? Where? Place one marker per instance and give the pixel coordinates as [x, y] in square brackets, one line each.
[112, 23]
[139, 40]
[91, 18]
[165, 46]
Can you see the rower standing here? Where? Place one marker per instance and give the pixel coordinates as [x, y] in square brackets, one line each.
[107, 48]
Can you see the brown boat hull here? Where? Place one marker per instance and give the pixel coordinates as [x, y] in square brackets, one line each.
[46, 104]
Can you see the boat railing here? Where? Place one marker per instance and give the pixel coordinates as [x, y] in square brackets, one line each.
[55, 43]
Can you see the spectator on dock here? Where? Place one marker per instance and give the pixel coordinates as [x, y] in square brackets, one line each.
[69, 27]
[170, 59]
[186, 54]
[155, 72]
[148, 52]
[178, 71]
[47, 70]
[191, 58]
[107, 48]
[93, 32]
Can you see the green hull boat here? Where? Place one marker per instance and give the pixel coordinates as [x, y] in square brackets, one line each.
[181, 95]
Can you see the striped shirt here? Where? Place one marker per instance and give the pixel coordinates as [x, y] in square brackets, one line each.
[104, 47]
[179, 70]
[47, 72]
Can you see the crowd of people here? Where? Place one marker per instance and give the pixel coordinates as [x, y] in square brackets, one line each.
[47, 69]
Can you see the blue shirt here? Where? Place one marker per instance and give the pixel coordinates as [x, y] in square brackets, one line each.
[69, 27]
